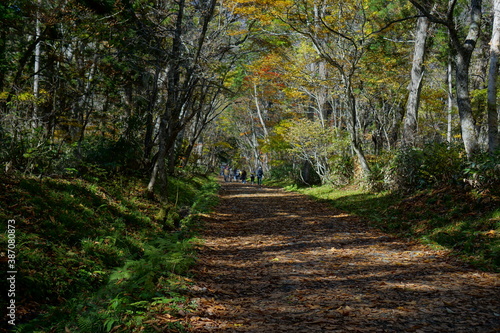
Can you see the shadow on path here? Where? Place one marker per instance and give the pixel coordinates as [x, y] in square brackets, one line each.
[275, 261]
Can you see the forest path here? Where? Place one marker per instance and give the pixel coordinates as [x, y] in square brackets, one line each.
[275, 261]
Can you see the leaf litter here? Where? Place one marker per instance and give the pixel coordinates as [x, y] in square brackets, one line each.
[275, 261]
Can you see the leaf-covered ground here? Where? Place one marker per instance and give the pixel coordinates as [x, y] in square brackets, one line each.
[275, 261]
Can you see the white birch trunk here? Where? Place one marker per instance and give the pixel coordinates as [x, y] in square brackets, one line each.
[463, 58]
[492, 80]
[36, 75]
[259, 112]
[417, 74]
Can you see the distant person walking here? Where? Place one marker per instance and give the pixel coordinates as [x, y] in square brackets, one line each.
[243, 176]
[226, 174]
[252, 178]
[260, 174]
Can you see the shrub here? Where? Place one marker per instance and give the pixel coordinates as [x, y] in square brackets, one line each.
[436, 164]
[284, 171]
[100, 155]
[341, 168]
[483, 172]
[376, 179]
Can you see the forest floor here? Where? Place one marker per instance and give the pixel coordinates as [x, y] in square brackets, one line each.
[276, 261]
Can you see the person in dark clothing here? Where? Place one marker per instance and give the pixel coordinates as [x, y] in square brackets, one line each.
[260, 174]
[243, 176]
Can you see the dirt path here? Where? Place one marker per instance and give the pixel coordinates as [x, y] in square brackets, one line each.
[277, 262]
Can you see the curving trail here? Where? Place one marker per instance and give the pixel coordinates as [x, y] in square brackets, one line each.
[275, 261]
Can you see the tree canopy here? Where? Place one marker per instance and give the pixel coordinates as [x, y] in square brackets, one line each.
[196, 84]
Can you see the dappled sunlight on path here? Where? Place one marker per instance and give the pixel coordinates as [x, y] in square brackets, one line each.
[275, 261]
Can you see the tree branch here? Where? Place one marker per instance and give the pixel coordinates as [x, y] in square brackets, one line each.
[388, 25]
[433, 18]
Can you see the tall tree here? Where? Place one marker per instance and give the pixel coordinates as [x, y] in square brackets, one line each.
[417, 74]
[340, 34]
[181, 80]
[492, 80]
[463, 48]
[197, 49]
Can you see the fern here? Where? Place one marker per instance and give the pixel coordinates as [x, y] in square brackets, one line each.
[110, 323]
[85, 324]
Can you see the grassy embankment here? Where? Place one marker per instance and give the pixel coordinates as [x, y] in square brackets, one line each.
[98, 255]
[466, 223]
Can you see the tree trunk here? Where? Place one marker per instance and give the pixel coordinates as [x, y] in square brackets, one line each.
[171, 108]
[259, 111]
[148, 136]
[159, 165]
[492, 80]
[36, 75]
[463, 58]
[355, 142]
[172, 156]
[417, 73]
[467, 122]
[450, 102]
[3, 58]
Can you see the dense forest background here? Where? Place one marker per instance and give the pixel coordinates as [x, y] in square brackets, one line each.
[130, 104]
[320, 92]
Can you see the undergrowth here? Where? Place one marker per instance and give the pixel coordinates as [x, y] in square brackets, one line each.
[465, 222]
[96, 257]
